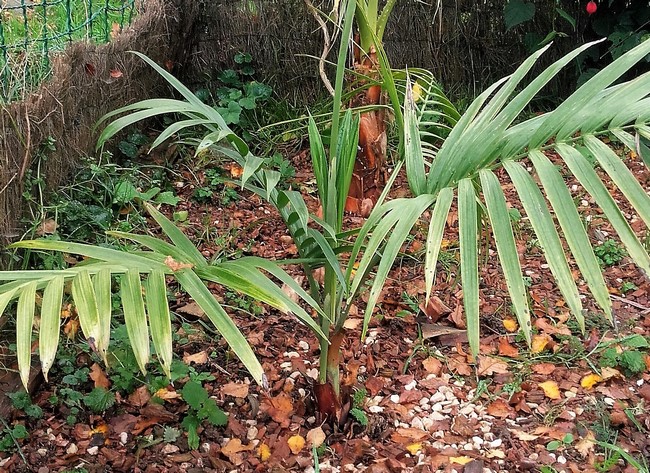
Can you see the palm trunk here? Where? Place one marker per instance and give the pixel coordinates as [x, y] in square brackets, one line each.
[369, 177]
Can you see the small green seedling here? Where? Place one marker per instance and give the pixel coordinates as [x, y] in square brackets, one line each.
[557, 444]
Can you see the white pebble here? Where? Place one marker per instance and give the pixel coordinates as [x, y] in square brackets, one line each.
[496, 443]
[303, 345]
[252, 433]
[410, 386]
[416, 423]
[394, 398]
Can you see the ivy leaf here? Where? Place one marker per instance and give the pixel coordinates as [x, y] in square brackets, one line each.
[516, 12]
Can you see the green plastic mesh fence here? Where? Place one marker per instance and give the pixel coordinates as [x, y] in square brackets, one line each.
[31, 30]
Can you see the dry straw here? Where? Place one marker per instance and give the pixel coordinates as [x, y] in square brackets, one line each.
[87, 81]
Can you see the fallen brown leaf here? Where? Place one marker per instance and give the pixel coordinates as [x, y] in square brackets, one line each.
[434, 309]
[279, 408]
[432, 365]
[315, 437]
[543, 368]
[99, 377]
[199, 358]
[487, 366]
[238, 390]
[506, 349]
[233, 450]
[499, 408]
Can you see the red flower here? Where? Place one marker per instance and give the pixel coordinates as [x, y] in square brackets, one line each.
[592, 7]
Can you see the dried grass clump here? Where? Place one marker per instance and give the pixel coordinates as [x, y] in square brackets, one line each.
[463, 42]
[87, 81]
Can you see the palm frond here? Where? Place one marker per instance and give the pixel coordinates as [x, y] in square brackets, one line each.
[146, 313]
[486, 139]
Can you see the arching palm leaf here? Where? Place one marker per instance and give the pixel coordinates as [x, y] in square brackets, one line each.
[146, 315]
[485, 140]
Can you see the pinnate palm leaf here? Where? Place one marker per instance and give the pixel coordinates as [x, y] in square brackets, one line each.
[486, 138]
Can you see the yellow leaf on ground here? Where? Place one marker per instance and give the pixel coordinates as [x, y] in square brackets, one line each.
[316, 437]
[460, 460]
[510, 325]
[590, 380]
[414, 448]
[166, 395]
[539, 342]
[264, 452]
[296, 443]
[551, 389]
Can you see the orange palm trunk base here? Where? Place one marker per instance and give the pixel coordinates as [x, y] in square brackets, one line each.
[368, 176]
[328, 399]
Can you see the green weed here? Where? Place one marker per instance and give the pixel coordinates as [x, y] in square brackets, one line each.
[201, 408]
[610, 252]
[628, 355]
[358, 403]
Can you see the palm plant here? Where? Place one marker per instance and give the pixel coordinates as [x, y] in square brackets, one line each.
[92, 287]
[486, 139]
[318, 248]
